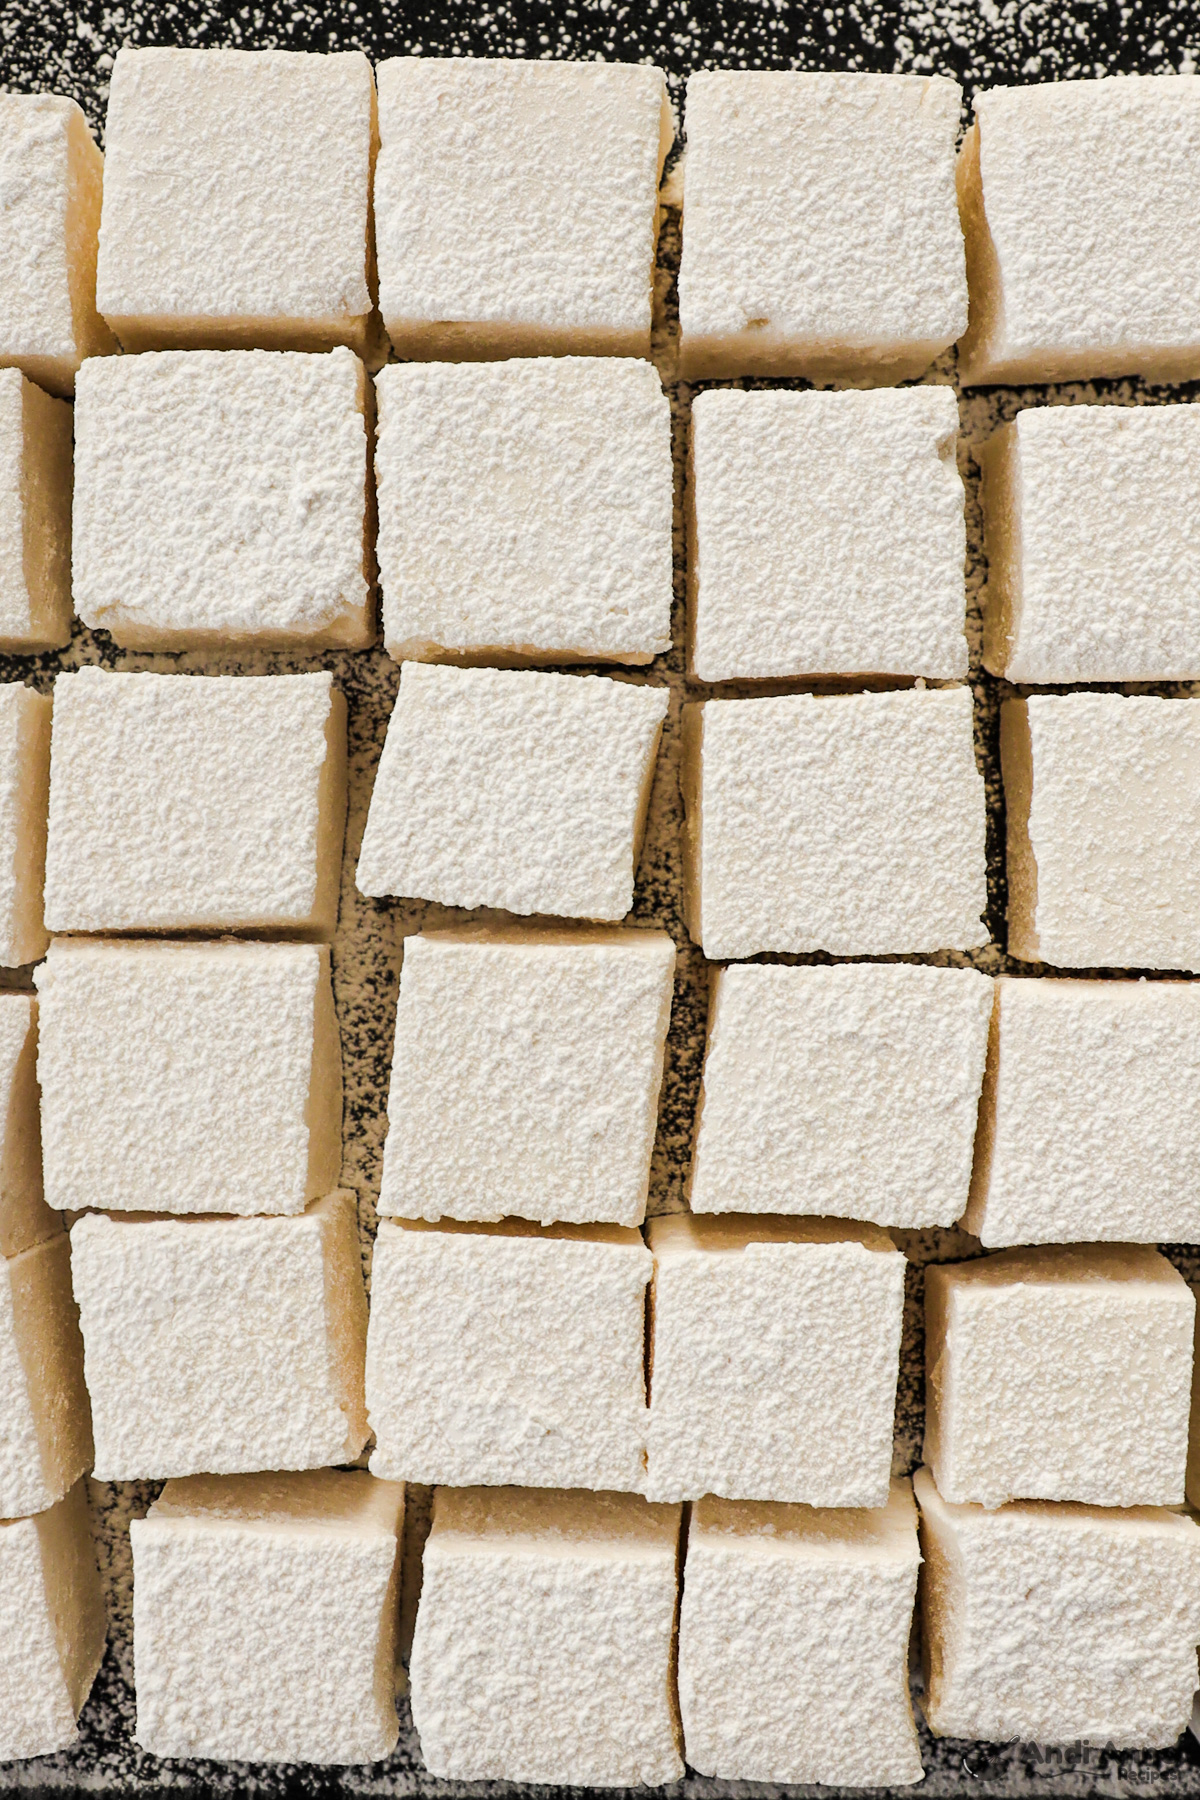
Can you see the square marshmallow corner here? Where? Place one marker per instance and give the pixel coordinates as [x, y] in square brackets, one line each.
[265, 1613]
[525, 510]
[821, 234]
[24, 790]
[543, 1643]
[516, 205]
[52, 1626]
[46, 1440]
[221, 498]
[188, 1077]
[35, 514]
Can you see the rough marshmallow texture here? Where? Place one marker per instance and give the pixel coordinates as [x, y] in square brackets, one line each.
[35, 513]
[848, 1092]
[52, 1626]
[827, 534]
[188, 1078]
[1078, 205]
[1060, 1374]
[221, 498]
[1057, 1623]
[1102, 794]
[24, 798]
[25, 1219]
[850, 823]
[543, 1645]
[179, 803]
[516, 205]
[264, 1617]
[525, 510]
[793, 1642]
[45, 1428]
[774, 1355]
[526, 1074]
[513, 789]
[237, 199]
[821, 234]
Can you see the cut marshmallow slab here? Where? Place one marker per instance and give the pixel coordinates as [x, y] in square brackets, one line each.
[516, 205]
[264, 1617]
[1103, 802]
[525, 510]
[25, 1219]
[1059, 1374]
[51, 174]
[526, 1075]
[178, 803]
[188, 1078]
[45, 1428]
[221, 498]
[821, 234]
[509, 1354]
[1082, 235]
[850, 823]
[543, 1645]
[35, 513]
[1058, 1623]
[513, 789]
[774, 1358]
[52, 1626]
[793, 1642]
[236, 199]
[217, 1346]
[848, 1092]
[24, 791]
[827, 535]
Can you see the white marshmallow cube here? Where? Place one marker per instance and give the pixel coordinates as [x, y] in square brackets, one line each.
[52, 1627]
[188, 1078]
[25, 1219]
[24, 790]
[35, 513]
[264, 1618]
[513, 789]
[45, 1426]
[543, 1644]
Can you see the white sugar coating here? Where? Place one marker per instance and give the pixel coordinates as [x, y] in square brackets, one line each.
[24, 786]
[513, 789]
[848, 1092]
[1077, 200]
[793, 1642]
[196, 802]
[526, 1074]
[52, 1626]
[827, 534]
[774, 1357]
[516, 205]
[25, 1218]
[188, 1078]
[216, 1346]
[1059, 1374]
[849, 823]
[1103, 808]
[543, 1646]
[50, 179]
[264, 1617]
[35, 512]
[221, 498]
[1058, 1623]
[45, 1431]
[509, 1354]
[821, 233]
[525, 509]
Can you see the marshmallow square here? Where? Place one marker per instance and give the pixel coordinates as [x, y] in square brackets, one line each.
[509, 1354]
[1061, 1374]
[25, 1219]
[526, 1075]
[793, 1642]
[516, 205]
[24, 790]
[215, 1346]
[827, 535]
[52, 1626]
[543, 1645]
[188, 1078]
[525, 510]
[848, 823]
[45, 1426]
[774, 1358]
[513, 789]
[1058, 1623]
[821, 234]
[221, 499]
[237, 199]
[264, 1617]
[180, 803]
[1078, 205]
[35, 512]
[847, 1092]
